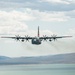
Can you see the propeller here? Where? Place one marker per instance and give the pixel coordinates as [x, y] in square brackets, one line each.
[54, 37]
[26, 36]
[17, 37]
[45, 37]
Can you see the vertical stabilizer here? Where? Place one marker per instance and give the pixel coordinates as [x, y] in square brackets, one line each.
[38, 31]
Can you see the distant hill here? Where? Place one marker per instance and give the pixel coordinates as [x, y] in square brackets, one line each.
[50, 59]
[4, 58]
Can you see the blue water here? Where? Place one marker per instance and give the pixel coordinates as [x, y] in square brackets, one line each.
[39, 69]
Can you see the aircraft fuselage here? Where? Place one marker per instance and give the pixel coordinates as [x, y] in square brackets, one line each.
[36, 41]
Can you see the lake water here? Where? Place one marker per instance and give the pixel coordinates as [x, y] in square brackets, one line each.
[38, 69]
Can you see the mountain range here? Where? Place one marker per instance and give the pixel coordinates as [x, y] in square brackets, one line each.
[68, 58]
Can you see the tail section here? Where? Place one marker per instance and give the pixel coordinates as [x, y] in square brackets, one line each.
[38, 32]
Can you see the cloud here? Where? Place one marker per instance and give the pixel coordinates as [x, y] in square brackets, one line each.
[56, 1]
[52, 16]
[12, 27]
[42, 5]
[71, 14]
[72, 32]
[30, 15]
[15, 21]
[48, 16]
[16, 15]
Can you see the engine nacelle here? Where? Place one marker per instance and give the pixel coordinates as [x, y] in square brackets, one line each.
[50, 40]
[22, 40]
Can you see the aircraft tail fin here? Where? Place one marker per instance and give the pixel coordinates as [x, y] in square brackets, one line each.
[38, 32]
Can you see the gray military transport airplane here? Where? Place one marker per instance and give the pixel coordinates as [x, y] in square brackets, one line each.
[37, 40]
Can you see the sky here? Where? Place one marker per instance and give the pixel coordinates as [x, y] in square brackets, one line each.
[22, 17]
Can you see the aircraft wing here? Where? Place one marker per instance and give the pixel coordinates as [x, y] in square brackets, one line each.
[54, 37]
[42, 38]
[19, 37]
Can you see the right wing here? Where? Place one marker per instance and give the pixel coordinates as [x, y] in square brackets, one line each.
[54, 37]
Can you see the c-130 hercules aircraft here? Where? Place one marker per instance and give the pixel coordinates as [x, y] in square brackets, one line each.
[37, 40]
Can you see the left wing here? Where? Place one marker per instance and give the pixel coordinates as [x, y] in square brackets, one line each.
[19, 37]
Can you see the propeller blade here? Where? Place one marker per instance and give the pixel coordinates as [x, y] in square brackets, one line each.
[44, 37]
[54, 37]
[17, 37]
[26, 36]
